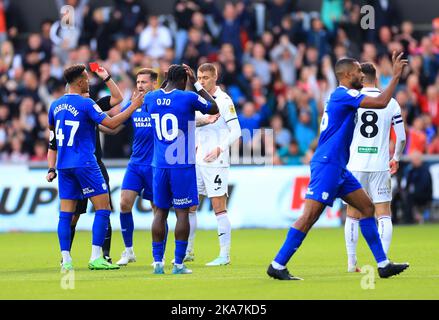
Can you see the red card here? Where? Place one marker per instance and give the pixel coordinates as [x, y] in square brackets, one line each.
[94, 66]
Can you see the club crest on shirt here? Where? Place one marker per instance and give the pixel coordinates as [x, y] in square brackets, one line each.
[97, 108]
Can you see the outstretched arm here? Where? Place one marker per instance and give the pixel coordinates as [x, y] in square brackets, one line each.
[114, 122]
[381, 101]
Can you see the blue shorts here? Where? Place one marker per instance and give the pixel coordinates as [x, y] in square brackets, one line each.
[138, 178]
[330, 181]
[80, 183]
[175, 187]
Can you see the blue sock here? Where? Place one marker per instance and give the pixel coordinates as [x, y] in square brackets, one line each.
[166, 236]
[158, 251]
[291, 244]
[180, 251]
[64, 231]
[100, 225]
[127, 227]
[369, 230]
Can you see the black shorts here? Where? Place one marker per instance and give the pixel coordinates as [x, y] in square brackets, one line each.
[81, 206]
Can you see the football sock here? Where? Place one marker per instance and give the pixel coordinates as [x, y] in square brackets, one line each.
[180, 251]
[96, 252]
[65, 220]
[351, 238]
[193, 228]
[107, 242]
[224, 233]
[370, 233]
[158, 251]
[66, 258]
[127, 228]
[72, 235]
[385, 230]
[100, 225]
[292, 243]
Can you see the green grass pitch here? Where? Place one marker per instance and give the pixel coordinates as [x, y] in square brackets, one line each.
[29, 268]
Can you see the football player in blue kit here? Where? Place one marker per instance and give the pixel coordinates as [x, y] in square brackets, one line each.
[172, 112]
[138, 176]
[72, 120]
[330, 178]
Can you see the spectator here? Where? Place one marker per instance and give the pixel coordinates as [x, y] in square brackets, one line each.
[250, 120]
[417, 139]
[80, 10]
[276, 10]
[231, 21]
[418, 189]
[282, 136]
[40, 151]
[430, 103]
[260, 64]
[284, 55]
[129, 16]
[183, 12]
[16, 155]
[290, 154]
[302, 113]
[319, 38]
[196, 47]
[331, 13]
[155, 39]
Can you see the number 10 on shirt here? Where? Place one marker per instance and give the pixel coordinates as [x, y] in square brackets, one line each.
[161, 125]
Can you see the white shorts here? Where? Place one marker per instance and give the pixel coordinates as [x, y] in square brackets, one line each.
[377, 185]
[212, 181]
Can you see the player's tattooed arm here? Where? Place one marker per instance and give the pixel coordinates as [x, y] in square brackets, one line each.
[200, 90]
[381, 101]
[116, 121]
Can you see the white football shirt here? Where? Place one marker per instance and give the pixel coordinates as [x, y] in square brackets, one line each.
[210, 136]
[369, 151]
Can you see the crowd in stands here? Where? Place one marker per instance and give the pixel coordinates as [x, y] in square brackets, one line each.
[275, 61]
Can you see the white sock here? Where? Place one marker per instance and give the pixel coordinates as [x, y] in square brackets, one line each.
[66, 258]
[96, 252]
[351, 238]
[193, 228]
[129, 250]
[385, 230]
[384, 263]
[277, 266]
[224, 234]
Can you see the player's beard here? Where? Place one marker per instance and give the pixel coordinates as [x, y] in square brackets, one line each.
[357, 84]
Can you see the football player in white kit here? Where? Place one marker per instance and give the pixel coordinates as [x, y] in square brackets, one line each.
[214, 136]
[369, 163]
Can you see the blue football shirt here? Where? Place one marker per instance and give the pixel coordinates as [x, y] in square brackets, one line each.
[173, 122]
[337, 126]
[143, 136]
[74, 118]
